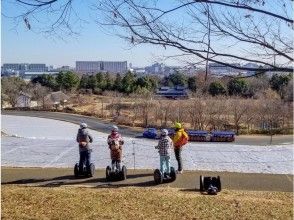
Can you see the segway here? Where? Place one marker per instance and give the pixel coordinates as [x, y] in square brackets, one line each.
[116, 174]
[210, 185]
[160, 177]
[85, 172]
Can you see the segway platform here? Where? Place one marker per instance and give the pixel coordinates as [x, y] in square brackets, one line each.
[84, 172]
[116, 174]
[160, 177]
[210, 185]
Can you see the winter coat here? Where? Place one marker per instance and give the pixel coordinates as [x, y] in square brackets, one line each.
[180, 138]
[164, 146]
[115, 143]
[84, 138]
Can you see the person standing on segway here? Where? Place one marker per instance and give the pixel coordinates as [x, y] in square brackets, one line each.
[179, 139]
[84, 139]
[164, 146]
[115, 143]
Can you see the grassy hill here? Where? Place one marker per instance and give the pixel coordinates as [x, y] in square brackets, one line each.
[19, 202]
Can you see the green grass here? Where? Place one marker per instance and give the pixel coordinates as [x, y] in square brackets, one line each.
[21, 202]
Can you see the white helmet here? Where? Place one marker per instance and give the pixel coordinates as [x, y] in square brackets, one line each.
[164, 132]
[83, 125]
[114, 128]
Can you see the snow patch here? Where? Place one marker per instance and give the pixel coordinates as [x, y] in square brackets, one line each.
[51, 143]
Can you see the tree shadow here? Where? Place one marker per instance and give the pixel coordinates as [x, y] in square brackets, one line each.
[57, 181]
[83, 180]
[121, 185]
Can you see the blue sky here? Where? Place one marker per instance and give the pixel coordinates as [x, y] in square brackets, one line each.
[20, 45]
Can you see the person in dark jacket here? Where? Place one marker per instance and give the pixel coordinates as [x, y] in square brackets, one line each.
[84, 139]
[180, 138]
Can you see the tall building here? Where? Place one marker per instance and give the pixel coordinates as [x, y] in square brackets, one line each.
[20, 68]
[101, 66]
[37, 67]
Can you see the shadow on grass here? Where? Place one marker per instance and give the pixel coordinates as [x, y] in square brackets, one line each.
[57, 181]
[190, 190]
[139, 175]
[72, 180]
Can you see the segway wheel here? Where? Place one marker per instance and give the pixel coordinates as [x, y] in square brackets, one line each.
[173, 174]
[219, 184]
[123, 173]
[92, 170]
[201, 183]
[76, 170]
[108, 171]
[158, 177]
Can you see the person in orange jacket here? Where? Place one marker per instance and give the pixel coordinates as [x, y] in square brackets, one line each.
[179, 139]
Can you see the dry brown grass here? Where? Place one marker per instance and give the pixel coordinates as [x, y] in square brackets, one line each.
[19, 202]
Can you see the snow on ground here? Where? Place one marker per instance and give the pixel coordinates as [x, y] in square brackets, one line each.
[39, 142]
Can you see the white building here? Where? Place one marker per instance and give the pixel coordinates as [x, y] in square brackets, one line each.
[27, 76]
[20, 68]
[101, 66]
[220, 69]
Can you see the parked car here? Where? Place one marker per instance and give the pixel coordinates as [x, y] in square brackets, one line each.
[150, 133]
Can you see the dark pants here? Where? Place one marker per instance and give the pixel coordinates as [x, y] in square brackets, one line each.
[178, 152]
[116, 164]
[85, 157]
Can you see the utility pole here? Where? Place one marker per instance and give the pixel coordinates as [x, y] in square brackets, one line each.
[134, 155]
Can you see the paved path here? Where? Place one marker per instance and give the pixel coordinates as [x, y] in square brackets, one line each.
[188, 181]
[103, 126]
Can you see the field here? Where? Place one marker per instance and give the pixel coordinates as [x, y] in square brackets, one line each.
[20, 202]
[250, 116]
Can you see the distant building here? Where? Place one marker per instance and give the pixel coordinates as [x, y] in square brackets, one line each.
[139, 70]
[63, 68]
[217, 68]
[178, 92]
[160, 68]
[27, 76]
[250, 65]
[36, 67]
[101, 66]
[18, 69]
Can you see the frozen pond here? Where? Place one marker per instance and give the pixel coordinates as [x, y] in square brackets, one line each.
[39, 142]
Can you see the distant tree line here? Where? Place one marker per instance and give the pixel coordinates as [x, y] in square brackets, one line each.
[130, 83]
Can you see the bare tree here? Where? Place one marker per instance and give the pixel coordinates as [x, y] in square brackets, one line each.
[224, 31]
[238, 109]
[39, 93]
[11, 88]
[198, 113]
